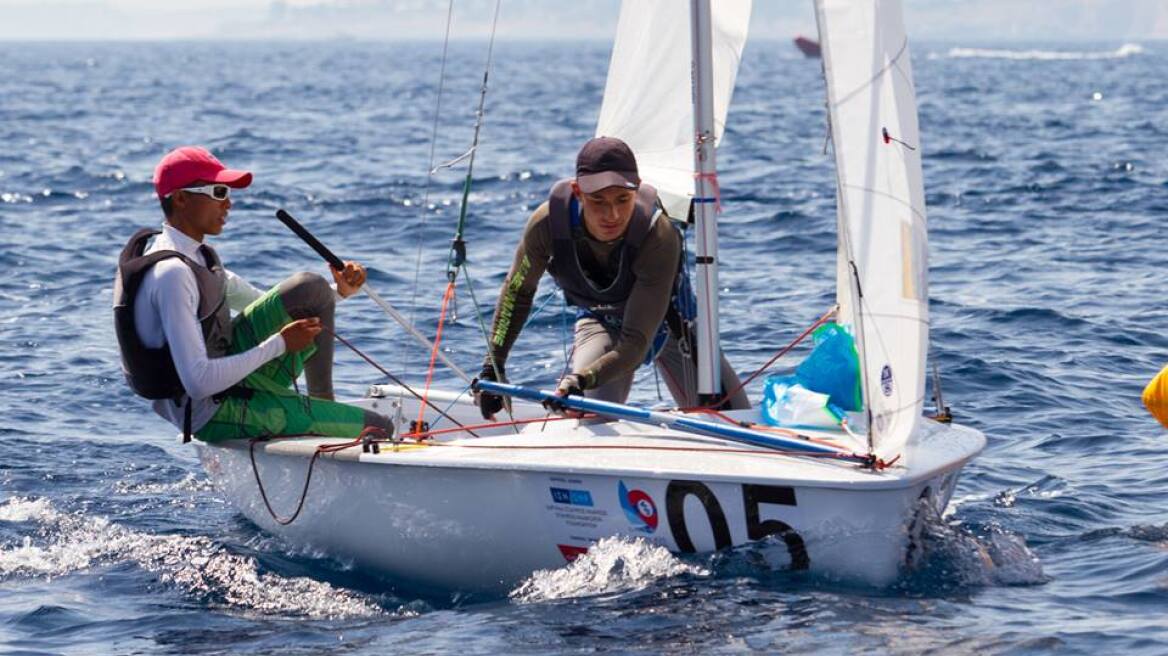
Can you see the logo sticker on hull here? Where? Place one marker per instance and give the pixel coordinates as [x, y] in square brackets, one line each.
[571, 497]
[639, 508]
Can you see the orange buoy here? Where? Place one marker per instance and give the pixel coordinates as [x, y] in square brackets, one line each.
[1155, 397]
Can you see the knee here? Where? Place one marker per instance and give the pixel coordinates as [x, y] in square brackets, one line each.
[306, 290]
[310, 282]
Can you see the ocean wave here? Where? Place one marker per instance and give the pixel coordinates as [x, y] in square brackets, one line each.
[188, 484]
[1126, 50]
[955, 556]
[612, 565]
[69, 542]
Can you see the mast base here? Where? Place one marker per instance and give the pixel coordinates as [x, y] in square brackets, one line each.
[715, 401]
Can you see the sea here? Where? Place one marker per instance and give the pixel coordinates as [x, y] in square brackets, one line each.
[1046, 173]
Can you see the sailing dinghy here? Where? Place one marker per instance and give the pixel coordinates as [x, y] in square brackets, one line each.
[477, 508]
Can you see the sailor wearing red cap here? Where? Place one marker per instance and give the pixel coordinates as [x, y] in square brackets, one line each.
[212, 375]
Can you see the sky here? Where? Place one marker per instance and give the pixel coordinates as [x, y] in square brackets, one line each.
[963, 21]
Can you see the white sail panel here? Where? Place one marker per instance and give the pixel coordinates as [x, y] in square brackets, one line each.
[647, 99]
[873, 115]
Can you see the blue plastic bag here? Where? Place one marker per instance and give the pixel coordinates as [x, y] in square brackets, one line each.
[833, 368]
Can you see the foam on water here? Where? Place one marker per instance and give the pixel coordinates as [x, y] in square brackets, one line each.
[190, 483]
[612, 565]
[69, 542]
[958, 556]
[1126, 50]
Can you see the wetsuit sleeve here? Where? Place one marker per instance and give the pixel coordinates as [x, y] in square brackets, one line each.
[177, 299]
[655, 268]
[515, 299]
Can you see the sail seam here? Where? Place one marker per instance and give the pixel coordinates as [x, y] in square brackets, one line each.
[891, 63]
[887, 195]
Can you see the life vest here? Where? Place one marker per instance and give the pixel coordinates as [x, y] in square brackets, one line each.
[606, 303]
[150, 372]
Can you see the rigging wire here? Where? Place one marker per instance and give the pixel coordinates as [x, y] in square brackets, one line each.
[398, 381]
[457, 256]
[783, 351]
[423, 208]
[430, 170]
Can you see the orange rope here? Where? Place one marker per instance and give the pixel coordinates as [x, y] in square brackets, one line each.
[434, 351]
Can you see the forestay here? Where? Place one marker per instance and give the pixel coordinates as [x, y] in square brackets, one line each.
[647, 99]
[882, 277]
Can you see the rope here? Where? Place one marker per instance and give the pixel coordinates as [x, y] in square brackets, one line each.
[483, 329]
[490, 425]
[400, 383]
[786, 349]
[765, 428]
[324, 448]
[330, 448]
[878, 464]
[452, 404]
[547, 299]
[434, 352]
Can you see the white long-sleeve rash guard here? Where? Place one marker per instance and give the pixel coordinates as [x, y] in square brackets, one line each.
[166, 312]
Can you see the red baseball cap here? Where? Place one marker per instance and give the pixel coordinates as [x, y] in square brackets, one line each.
[184, 166]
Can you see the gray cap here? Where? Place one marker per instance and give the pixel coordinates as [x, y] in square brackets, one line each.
[606, 162]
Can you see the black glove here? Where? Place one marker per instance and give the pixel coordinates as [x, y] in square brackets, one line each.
[488, 403]
[570, 384]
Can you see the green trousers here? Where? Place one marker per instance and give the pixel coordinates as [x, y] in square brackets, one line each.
[273, 408]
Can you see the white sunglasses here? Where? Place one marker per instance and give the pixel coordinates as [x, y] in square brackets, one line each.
[216, 191]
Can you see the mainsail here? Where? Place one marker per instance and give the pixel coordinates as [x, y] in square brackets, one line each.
[647, 100]
[883, 252]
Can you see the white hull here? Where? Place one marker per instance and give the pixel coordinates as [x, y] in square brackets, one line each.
[466, 518]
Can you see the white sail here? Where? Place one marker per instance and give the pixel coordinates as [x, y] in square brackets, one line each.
[880, 193]
[647, 100]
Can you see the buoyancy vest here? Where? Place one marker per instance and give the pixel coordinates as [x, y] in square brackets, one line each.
[150, 372]
[565, 267]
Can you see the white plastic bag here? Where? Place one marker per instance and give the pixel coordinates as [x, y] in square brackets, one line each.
[787, 403]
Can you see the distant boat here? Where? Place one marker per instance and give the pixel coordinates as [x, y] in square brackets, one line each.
[809, 47]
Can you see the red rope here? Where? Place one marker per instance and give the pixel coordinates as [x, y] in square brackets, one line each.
[765, 428]
[331, 448]
[786, 349]
[434, 352]
[485, 426]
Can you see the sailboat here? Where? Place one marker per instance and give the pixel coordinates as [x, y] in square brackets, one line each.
[477, 508]
[809, 47]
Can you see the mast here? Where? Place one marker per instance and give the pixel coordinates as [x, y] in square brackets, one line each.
[705, 203]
